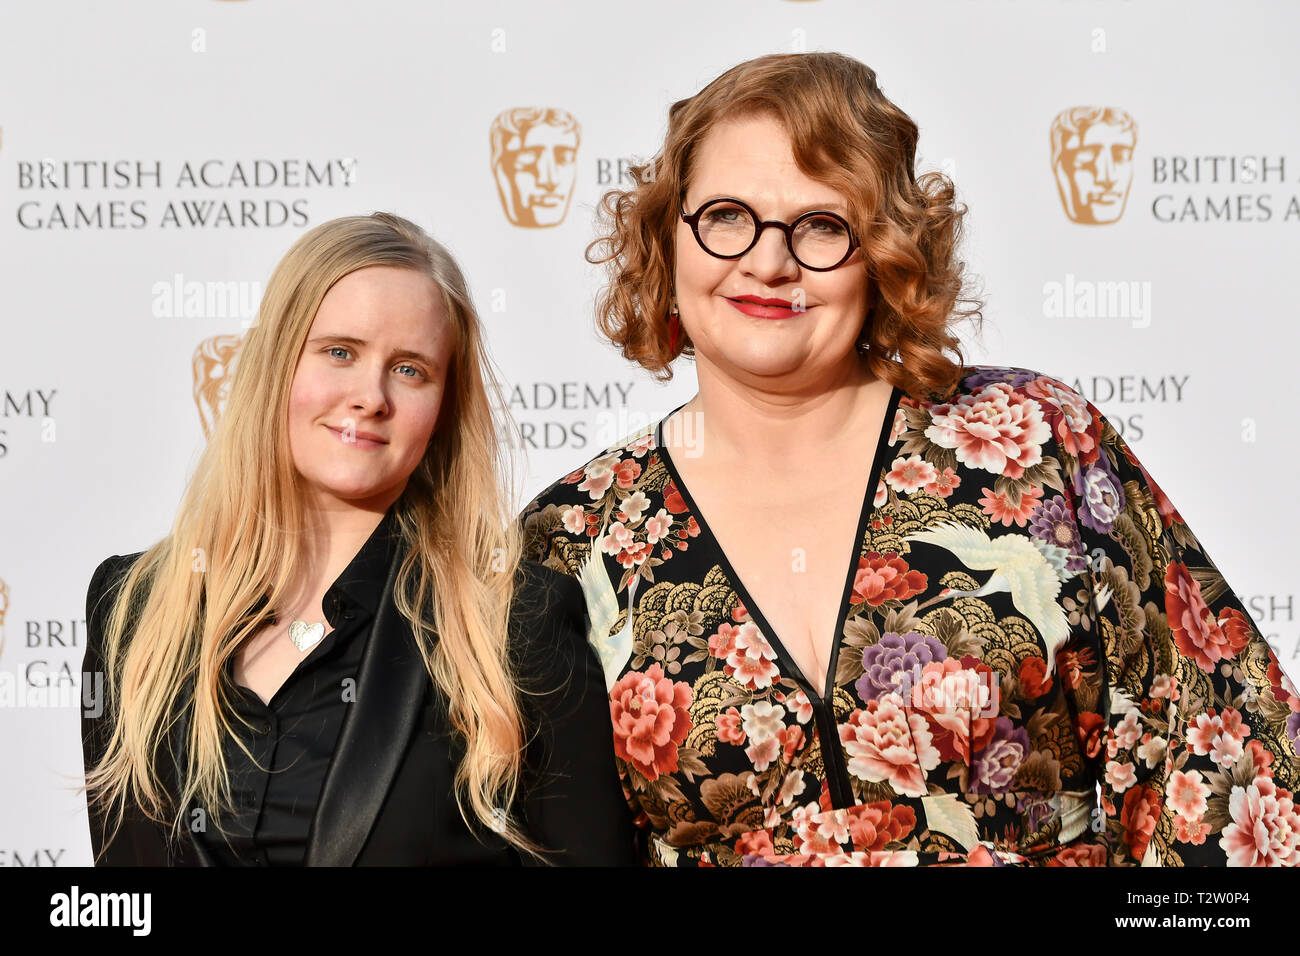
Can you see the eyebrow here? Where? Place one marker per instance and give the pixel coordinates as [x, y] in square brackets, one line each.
[835, 205]
[353, 340]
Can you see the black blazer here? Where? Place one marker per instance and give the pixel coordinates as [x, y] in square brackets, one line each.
[387, 797]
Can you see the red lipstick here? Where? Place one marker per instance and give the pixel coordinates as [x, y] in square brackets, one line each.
[763, 308]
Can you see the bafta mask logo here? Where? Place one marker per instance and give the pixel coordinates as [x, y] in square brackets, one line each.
[1092, 159]
[214, 364]
[535, 163]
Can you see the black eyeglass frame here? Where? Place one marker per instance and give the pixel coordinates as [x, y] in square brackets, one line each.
[788, 228]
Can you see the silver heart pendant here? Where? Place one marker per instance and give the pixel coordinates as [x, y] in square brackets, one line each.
[304, 635]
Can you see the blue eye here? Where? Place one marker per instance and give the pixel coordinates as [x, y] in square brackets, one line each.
[333, 351]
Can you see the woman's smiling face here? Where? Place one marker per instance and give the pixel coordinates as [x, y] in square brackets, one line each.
[368, 386]
[751, 159]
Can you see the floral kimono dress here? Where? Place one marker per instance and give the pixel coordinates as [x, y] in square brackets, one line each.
[1038, 663]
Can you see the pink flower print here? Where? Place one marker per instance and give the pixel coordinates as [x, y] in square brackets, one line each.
[755, 843]
[627, 472]
[599, 475]
[657, 527]
[634, 554]
[631, 507]
[762, 754]
[1196, 631]
[792, 740]
[763, 723]
[885, 743]
[884, 577]
[944, 484]
[1265, 827]
[1120, 776]
[791, 787]
[1075, 427]
[811, 837]
[750, 662]
[639, 446]
[996, 429]
[1222, 737]
[621, 542]
[1127, 731]
[651, 718]
[800, 706]
[958, 698]
[907, 475]
[832, 825]
[729, 727]
[618, 538]
[1152, 749]
[1165, 685]
[998, 506]
[1187, 794]
[575, 520]
[673, 499]
[1191, 831]
[722, 644]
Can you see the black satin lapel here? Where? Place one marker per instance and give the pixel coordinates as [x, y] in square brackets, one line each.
[390, 688]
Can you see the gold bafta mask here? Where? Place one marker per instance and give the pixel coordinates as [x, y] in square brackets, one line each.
[1092, 160]
[535, 163]
[214, 363]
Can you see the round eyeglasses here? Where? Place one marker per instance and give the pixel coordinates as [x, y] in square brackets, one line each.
[728, 228]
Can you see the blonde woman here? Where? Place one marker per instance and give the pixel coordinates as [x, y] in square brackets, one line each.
[336, 656]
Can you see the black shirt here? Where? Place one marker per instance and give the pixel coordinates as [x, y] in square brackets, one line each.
[372, 782]
[293, 735]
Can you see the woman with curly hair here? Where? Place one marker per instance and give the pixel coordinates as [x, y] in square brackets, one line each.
[856, 601]
[336, 656]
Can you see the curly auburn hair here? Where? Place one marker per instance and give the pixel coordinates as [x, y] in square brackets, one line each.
[846, 134]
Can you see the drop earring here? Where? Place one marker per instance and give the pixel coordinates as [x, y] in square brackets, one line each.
[864, 337]
[674, 327]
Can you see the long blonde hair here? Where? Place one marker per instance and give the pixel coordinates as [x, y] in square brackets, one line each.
[243, 512]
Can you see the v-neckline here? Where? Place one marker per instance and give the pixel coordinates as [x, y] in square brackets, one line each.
[864, 515]
[313, 652]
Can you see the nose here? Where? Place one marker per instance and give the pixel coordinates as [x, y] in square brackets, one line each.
[1105, 168]
[546, 170]
[770, 260]
[370, 392]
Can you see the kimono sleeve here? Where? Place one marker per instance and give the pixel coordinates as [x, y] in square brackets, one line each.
[1194, 731]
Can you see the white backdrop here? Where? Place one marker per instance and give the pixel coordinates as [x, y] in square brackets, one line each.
[124, 125]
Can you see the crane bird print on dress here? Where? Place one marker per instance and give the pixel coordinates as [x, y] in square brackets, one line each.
[1030, 569]
[602, 609]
